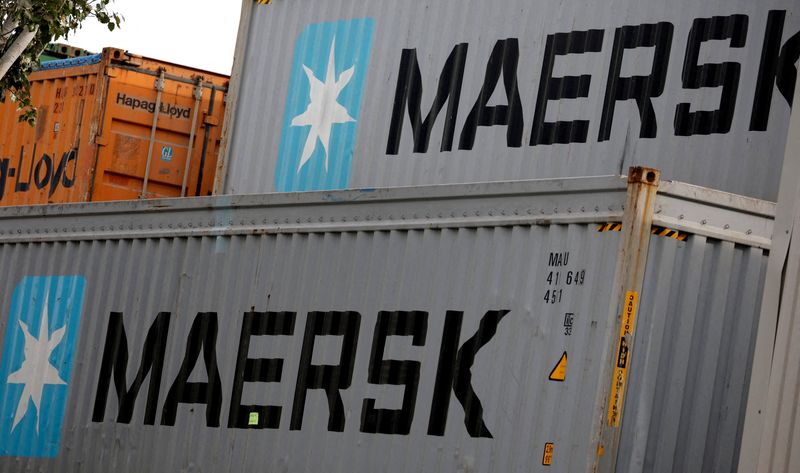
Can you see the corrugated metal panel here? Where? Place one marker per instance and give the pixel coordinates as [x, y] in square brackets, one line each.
[273, 90]
[474, 270]
[780, 439]
[699, 313]
[771, 440]
[471, 248]
[53, 160]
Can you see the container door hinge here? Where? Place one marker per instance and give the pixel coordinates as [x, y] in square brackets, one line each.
[101, 140]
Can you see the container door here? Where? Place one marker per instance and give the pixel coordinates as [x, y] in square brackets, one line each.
[127, 126]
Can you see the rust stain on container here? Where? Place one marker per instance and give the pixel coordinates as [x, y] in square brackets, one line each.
[92, 135]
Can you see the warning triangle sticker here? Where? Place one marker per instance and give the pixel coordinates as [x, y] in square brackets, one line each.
[559, 372]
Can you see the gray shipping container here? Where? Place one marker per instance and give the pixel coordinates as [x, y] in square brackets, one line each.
[339, 94]
[771, 434]
[479, 327]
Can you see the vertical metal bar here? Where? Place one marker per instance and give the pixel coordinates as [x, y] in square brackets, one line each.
[774, 334]
[198, 96]
[637, 222]
[205, 141]
[159, 85]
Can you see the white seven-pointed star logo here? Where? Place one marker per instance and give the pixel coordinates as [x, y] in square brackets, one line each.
[324, 110]
[36, 370]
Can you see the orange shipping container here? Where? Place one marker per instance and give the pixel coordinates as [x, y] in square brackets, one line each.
[113, 126]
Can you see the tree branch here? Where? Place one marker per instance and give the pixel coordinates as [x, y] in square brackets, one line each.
[16, 49]
[11, 22]
[6, 29]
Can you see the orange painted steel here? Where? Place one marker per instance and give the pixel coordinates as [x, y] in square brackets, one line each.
[92, 135]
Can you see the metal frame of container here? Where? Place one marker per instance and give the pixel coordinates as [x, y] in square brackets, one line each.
[771, 440]
[735, 232]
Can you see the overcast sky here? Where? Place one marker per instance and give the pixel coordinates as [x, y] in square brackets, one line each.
[196, 33]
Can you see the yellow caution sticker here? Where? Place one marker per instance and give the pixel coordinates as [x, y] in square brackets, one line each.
[609, 227]
[263, 2]
[547, 458]
[253, 419]
[559, 372]
[622, 360]
[669, 233]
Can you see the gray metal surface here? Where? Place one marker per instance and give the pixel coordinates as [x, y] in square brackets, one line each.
[596, 199]
[691, 365]
[721, 215]
[231, 255]
[770, 441]
[710, 213]
[744, 159]
[474, 270]
[780, 438]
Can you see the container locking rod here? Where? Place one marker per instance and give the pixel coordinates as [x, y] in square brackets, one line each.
[159, 85]
[198, 96]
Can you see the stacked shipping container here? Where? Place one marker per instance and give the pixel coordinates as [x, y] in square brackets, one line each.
[422, 329]
[471, 91]
[463, 327]
[100, 134]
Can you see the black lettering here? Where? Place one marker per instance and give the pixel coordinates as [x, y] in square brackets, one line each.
[640, 88]
[69, 156]
[776, 68]
[394, 372]
[38, 179]
[503, 60]
[568, 87]
[558, 259]
[202, 336]
[454, 372]
[4, 164]
[622, 355]
[59, 174]
[20, 185]
[726, 74]
[331, 378]
[409, 94]
[115, 361]
[261, 370]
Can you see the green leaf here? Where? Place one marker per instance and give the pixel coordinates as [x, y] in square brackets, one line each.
[51, 19]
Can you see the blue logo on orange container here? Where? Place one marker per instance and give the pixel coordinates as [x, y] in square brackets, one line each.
[38, 351]
[322, 106]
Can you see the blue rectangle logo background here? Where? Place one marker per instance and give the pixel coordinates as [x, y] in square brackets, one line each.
[26, 430]
[321, 119]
